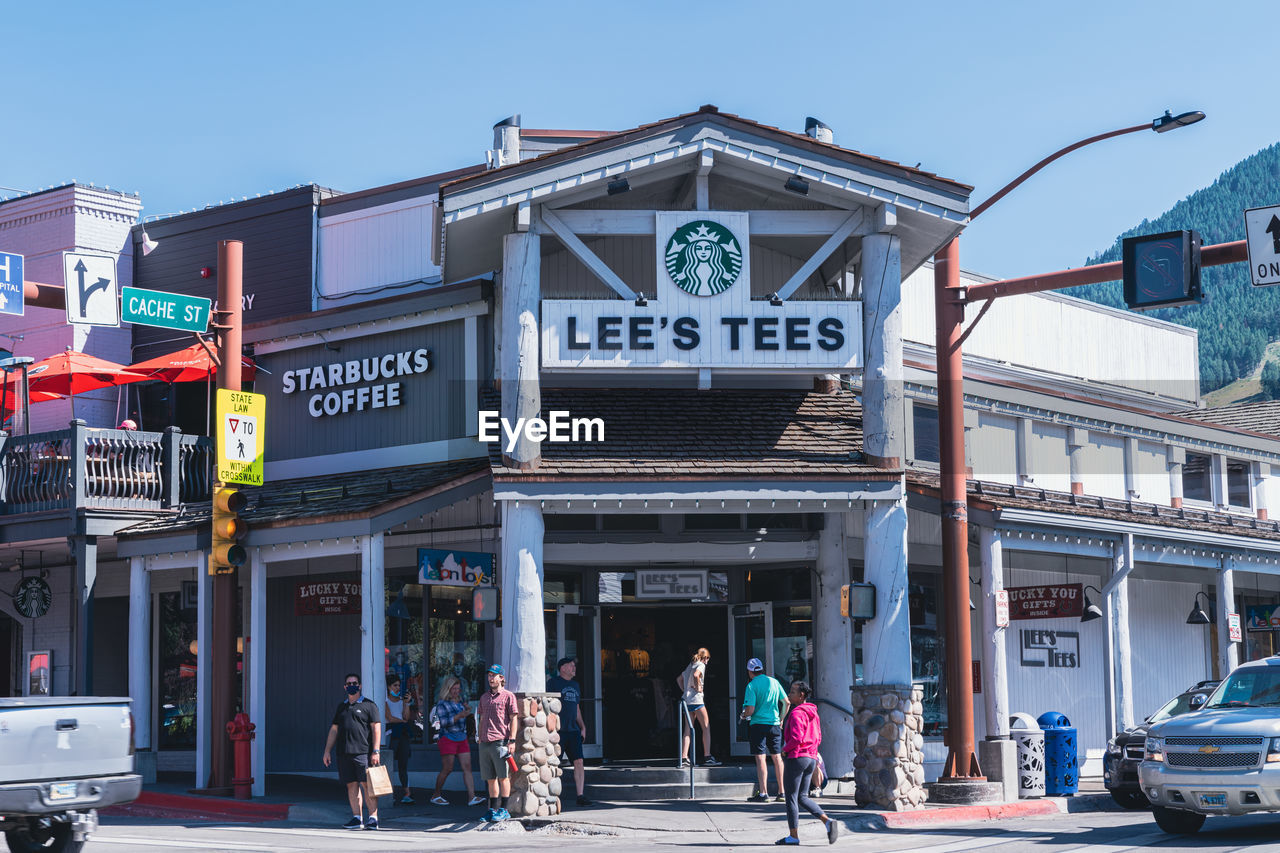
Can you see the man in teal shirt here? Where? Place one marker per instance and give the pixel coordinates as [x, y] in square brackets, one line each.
[764, 704]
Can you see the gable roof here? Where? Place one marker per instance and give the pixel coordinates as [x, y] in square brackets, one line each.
[707, 112]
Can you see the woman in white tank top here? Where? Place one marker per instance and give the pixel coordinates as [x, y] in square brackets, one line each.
[691, 682]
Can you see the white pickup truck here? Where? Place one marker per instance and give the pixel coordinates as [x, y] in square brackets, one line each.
[62, 758]
[1221, 760]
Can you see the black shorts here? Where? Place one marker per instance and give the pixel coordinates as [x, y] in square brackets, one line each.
[764, 740]
[352, 768]
[571, 745]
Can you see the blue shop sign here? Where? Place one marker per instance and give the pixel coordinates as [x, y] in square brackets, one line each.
[455, 568]
[1264, 617]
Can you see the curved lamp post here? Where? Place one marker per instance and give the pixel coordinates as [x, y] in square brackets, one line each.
[949, 301]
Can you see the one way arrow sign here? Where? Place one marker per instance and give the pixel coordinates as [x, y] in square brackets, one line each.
[93, 293]
[1262, 235]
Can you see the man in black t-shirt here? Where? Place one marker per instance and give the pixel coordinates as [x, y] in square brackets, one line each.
[356, 730]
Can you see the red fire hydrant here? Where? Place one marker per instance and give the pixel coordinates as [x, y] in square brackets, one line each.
[241, 732]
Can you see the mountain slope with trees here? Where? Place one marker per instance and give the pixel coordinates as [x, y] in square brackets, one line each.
[1236, 320]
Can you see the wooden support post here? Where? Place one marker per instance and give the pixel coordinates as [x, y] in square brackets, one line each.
[995, 668]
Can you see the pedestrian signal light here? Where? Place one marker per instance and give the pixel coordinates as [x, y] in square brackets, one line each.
[226, 553]
[484, 604]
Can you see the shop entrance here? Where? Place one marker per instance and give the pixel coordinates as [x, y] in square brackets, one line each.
[642, 651]
[10, 644]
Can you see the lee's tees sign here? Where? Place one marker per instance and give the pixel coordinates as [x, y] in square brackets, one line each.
[702, 313]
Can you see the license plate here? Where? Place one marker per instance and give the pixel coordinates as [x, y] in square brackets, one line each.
[62, 791]
[1210, 801]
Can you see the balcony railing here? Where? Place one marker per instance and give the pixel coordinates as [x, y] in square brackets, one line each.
[83, 468]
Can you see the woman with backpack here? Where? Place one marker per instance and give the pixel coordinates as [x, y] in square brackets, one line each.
[801, 735]
[691, 682]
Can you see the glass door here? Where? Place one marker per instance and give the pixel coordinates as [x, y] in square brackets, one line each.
[578, 634]
[751, 629]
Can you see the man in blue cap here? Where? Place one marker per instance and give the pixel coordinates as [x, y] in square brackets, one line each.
[497, 716]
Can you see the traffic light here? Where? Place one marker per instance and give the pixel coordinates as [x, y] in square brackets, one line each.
[226, 553]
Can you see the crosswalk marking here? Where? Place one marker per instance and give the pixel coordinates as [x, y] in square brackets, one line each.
[134, 841]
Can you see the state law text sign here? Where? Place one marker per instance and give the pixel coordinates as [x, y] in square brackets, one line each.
[1049, 601]
[242, 423]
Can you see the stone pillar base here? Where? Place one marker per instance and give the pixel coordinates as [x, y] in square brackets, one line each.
[889, 758]
[535, 787]
[966, 793]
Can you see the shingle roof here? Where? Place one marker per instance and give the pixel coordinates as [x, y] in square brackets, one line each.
[1004, 496]
[355, 494]
[697, 435]
[1261, 417]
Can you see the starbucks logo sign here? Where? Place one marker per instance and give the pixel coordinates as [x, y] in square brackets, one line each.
[703, 258]
[32, 597]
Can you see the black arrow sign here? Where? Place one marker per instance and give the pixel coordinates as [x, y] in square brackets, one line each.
[103, 283]
[1273, 228]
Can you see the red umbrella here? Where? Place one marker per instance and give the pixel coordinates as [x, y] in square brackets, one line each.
[70, 373]
[186, 365]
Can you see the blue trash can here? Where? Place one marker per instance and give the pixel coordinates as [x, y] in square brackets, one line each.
[1061, 764]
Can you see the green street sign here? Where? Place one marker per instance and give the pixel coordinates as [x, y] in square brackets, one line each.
[166, 310]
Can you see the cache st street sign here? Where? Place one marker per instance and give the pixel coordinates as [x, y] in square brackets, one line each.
[1262, 236]
[165, 310]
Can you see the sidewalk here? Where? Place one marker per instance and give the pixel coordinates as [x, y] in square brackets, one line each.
[318, 802]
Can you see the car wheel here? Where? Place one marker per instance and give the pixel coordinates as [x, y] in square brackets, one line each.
[1176, 821]
[1130, 799]
[36, 836]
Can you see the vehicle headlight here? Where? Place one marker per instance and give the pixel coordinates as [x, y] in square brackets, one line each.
[1113, 748]
[1155, 749]
[1273, 750]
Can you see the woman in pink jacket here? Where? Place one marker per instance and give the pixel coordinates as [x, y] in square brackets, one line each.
[801, 735]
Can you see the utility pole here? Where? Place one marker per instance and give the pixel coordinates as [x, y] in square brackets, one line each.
[222, 657]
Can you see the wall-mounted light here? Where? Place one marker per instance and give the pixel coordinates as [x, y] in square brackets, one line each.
[618, 186]
[775, 300]
[797, 184]
[148, 245]
[641, 301]
[1091, 610]
[206, 272]
[1198, 616]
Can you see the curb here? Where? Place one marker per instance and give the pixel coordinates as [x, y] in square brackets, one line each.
[155, 804]
[965, 814]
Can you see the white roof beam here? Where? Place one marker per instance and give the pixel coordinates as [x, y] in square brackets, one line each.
[589, 258]
[853, 223]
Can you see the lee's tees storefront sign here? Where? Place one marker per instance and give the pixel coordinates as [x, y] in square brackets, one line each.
[702, 314]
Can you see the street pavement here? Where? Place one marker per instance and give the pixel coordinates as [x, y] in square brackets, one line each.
[722, 827]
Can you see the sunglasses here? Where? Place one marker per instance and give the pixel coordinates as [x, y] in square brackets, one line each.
[349, 683]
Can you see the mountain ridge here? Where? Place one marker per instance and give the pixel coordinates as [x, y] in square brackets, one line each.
[1235, 321]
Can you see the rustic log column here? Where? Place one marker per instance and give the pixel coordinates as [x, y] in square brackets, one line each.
[834, 638]
[521, 395]
[1228, 652]
[524, 637]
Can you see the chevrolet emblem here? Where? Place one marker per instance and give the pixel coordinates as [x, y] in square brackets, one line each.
[1210, 749]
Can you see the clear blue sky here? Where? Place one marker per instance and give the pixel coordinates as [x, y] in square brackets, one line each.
[193, 103]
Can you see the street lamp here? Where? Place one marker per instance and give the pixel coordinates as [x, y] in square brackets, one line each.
[949, 302]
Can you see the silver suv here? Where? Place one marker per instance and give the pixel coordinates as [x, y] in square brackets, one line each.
[1223, 760]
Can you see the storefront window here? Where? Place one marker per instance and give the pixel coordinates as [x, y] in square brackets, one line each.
[1261, 627]
[779, 585]
[793, 644]
[928, 666]
[177, 661]
[456, 645]
[404, 643]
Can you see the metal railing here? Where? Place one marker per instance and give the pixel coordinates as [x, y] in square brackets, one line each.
[685, 720]
[83, 468]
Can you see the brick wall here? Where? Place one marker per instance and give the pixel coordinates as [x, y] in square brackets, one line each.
[42, 226]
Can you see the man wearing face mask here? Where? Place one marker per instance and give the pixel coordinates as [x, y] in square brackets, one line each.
[356, 730]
